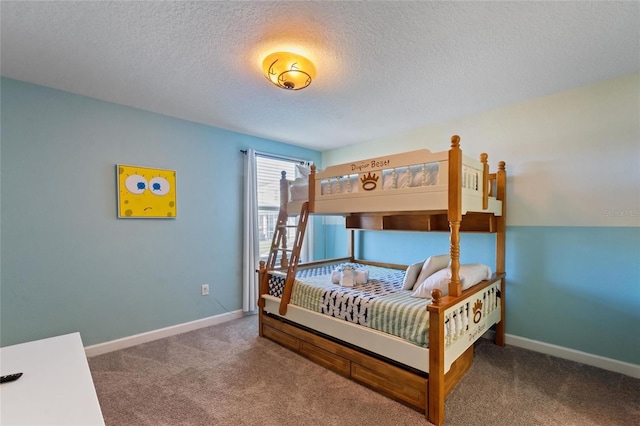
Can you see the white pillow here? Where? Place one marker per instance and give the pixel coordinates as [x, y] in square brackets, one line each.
[433, 265]
[470, 275]
[299, 189]
[402, 177]
[400, 180]
[411, 275]
[303, 170]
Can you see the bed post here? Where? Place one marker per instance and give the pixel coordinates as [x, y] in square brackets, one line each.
[351, 245]
[485, 181]
[312, 189]
[263, 285]
[284, 190]
[435, 385]
[455, 213]
[501, 194]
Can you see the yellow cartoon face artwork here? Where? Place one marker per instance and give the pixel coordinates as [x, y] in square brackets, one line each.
[146, 192]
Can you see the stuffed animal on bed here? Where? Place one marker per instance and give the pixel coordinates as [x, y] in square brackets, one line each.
[347, 275]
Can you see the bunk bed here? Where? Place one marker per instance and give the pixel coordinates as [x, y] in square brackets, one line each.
[412, 191]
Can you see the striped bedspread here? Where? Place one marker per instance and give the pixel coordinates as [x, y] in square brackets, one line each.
[380, 304]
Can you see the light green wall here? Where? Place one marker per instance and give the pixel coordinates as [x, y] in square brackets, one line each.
[68, 264]
[571, 157]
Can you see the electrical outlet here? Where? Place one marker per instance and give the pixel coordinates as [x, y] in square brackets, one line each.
[204, 289]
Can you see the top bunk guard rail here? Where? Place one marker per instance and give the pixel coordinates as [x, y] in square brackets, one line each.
[415, 191]
[415, 181]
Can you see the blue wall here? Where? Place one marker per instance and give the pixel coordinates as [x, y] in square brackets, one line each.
[68, 263]
[576, 287]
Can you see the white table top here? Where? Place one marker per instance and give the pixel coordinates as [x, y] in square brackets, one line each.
[56, 386]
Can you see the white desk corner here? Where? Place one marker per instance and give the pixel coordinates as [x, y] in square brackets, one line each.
[56, 387]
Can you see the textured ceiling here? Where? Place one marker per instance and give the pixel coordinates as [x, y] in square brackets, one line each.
[382, 67]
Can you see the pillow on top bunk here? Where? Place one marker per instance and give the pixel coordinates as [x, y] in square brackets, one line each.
[303, 170]
[298, 191]
[299, 188]
[431, 266]
[411, 275]
[406, 177]
[470, 275]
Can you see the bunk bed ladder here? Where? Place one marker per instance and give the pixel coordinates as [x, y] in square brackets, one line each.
[279, 246]
[295, 257]
[279, 242]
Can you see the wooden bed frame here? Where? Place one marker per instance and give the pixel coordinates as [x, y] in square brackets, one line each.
[465, 198]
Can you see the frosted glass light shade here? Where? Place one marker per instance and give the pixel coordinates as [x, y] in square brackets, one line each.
[288, 70]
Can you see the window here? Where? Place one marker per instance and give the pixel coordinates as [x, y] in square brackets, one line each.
[269, 171]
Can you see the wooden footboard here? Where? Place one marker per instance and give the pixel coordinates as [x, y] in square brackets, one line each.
[455, 323]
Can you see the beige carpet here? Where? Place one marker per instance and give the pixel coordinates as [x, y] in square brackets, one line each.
[227, 375]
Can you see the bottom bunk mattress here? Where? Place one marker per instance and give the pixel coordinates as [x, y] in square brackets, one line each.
[380, 303]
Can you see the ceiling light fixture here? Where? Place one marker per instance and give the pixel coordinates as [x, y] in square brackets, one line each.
[288, 70]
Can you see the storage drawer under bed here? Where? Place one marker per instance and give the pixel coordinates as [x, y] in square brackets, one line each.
[397, 383]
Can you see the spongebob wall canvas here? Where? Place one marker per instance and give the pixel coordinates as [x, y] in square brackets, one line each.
[144, 192]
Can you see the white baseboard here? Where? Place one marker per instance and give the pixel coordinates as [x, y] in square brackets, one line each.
[616, 366]
[126, 342]
[622, 367]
